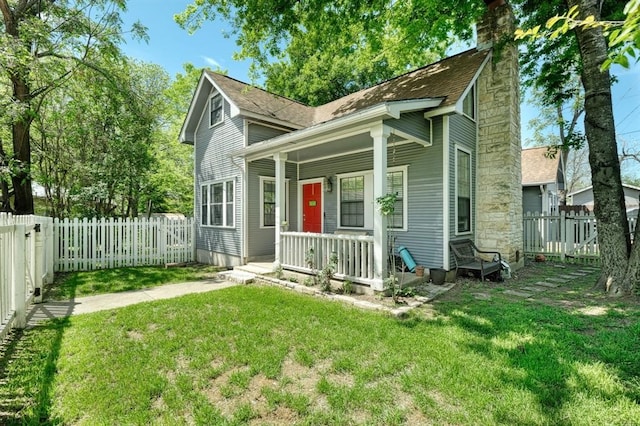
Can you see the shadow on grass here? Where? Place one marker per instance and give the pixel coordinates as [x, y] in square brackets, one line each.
[556, 354]
[28, 362]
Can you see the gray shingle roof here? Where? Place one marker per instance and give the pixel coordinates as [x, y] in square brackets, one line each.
[445, 79]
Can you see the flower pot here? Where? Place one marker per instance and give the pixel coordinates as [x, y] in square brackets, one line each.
[419, 271]
[438, 276]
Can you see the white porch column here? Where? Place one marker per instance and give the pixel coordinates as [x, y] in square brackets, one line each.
[280, 160]
[379, 134]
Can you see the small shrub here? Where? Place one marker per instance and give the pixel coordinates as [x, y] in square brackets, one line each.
[347, 287]
[309, 281]
[326, 274]
[293, 279]
[407, 292]
[278, 271]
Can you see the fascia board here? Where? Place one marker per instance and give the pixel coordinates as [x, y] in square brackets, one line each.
[299, 137]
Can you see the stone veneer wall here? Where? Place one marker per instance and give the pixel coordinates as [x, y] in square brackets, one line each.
[499, 178]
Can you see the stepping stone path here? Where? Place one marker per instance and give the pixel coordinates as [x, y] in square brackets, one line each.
[531, 290]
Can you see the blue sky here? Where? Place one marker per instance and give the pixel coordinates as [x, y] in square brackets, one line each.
[171, 47]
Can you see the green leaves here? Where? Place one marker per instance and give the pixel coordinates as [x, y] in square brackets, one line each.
[318, 50]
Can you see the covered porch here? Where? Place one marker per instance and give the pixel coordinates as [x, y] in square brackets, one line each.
[311, 171]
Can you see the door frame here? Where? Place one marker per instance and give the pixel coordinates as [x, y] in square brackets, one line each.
[300, 200]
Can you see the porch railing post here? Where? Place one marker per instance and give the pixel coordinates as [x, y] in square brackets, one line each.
[379, 134]
[280, 160]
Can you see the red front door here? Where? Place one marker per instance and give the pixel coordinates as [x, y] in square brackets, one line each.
[312, 207]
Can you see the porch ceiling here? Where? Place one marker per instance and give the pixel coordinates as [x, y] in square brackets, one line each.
[335, 148]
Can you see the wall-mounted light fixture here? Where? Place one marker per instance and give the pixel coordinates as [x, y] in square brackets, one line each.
[328, 184]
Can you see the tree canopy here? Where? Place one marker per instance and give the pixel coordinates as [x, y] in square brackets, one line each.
[316, 51]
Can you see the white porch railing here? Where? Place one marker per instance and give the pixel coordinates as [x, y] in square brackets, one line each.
[354, 254]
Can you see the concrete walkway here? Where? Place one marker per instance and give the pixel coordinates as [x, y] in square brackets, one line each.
[83, 305]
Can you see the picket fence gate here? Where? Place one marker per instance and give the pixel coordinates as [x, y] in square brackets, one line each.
[565, 235]
[89, 244]
[26, 263]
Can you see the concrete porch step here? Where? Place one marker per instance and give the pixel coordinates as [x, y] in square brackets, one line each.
[257, 268]
[236, 276]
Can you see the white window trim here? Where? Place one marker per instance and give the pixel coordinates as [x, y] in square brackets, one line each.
[455, 184]
[369, 202]
[224, 203]
[211, 98]
[264, 179]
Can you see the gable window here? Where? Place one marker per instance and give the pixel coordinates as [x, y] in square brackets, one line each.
[463, 191]
[356, 204]
[469, 104]
[268, 202]
[215, 110]
[217, 204]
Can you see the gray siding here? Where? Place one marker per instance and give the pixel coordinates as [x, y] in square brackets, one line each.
[412, 123]
[531, 199]
[423, 237]
[212, 163]
[259, 133]
[261, 241]
[462, 133]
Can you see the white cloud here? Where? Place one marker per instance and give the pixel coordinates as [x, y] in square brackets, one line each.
[210, 61]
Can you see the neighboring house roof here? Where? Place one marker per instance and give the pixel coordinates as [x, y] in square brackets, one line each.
[447, 81]
[590, 188]
[538, 168]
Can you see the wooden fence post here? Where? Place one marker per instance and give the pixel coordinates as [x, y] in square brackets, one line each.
[19, 278]
[49, 248]
[38, 248]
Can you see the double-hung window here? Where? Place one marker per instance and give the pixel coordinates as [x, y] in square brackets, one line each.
[356, 204]
[395, 186]
[215, 110]
[217, 204]
[352, 202]
[268, 202]
[463, 191]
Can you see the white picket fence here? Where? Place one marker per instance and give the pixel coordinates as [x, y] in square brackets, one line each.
[26, 263]
[85, 245]
[565, 235]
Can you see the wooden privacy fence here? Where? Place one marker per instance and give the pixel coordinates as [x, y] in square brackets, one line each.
[565, 235]
[84, 245]
[26, 263]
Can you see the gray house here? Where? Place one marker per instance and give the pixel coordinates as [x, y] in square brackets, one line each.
[584, 197]
[543, 181]
[281, 181]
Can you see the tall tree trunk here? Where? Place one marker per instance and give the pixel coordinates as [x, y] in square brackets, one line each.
[21, 178]
[609, 205]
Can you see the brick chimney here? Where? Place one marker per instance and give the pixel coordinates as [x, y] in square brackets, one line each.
[499, 178]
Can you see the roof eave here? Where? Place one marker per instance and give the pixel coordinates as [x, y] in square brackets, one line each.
[390, 109]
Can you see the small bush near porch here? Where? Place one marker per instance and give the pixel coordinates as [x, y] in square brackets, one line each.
[263, 355]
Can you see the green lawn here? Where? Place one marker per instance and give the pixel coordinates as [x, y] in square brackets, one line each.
[263, 355]
[77, 284]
